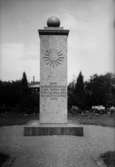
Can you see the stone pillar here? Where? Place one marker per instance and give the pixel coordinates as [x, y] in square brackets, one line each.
[53, 72]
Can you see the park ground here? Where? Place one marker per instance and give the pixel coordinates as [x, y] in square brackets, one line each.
[14, 118]
[96, 141]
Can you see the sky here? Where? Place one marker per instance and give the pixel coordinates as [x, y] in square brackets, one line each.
[90, 41]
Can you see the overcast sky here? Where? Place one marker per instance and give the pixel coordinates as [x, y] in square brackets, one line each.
[90, 41]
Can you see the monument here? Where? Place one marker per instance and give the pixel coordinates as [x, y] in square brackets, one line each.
[53, 84]
[53, 72]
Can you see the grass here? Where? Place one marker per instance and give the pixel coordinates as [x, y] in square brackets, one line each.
[109, 158]
[16, 118]
[3, 158]
[93, 119]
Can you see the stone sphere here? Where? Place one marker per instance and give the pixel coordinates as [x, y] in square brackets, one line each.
[53, 21]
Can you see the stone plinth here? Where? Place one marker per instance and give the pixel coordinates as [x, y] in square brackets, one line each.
[37, 129]
[53, 75]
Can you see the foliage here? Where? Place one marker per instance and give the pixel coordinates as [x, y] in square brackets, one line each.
[71, 100]
[18, 94]
[99, 90]
[10, 92]
[24, 82]
[79, 92]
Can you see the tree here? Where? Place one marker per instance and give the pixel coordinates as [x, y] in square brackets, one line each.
[79, 93]
[24, 80]
[101, 89]
[79, 86]
[71, 100]
[87, 96]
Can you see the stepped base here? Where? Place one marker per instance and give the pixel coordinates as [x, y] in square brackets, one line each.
[53, 129]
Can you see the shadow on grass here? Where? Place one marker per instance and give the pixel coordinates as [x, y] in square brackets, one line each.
[3, 158]
[109, 158]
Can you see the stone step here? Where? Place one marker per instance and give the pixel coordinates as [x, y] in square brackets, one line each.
[49, 131]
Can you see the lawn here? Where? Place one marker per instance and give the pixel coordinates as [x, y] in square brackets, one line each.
[93, 119]
[14, 118]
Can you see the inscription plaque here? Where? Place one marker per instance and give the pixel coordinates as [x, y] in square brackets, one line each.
[53, 91]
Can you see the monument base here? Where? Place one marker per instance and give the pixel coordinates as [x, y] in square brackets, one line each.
[38, 129]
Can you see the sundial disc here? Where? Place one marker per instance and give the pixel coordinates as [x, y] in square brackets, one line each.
[53, 57]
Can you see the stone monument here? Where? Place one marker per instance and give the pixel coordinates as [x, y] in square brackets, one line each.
[53, 84]
[53, 72]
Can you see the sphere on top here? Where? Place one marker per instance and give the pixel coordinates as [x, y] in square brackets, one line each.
[53, 21]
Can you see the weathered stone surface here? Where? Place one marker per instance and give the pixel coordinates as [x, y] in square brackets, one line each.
[53, 76]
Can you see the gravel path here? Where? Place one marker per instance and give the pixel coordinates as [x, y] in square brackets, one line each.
[56, 151]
